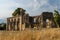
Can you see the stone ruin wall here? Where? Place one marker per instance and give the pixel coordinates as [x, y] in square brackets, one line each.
[26, 21]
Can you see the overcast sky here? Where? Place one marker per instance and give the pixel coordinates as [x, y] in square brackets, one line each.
[33, 7]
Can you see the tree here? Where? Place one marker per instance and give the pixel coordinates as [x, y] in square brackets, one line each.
[18, 11]
[57, 18]
[3, 26]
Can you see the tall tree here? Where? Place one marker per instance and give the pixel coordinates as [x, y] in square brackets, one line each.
[57, 18]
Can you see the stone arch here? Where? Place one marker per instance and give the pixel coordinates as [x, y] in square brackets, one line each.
[47, 18]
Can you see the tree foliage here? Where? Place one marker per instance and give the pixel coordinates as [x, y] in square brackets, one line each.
[57, 17]
[18, 11]
[3, 26]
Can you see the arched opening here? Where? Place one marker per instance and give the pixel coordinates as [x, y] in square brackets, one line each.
[34, 20]
[47, 20]
[47, 23]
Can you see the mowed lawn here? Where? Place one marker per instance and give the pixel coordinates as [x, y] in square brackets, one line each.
[44, 34]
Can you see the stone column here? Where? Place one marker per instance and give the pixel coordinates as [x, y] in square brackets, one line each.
[9, 27]
[16, 25]
[20, 23]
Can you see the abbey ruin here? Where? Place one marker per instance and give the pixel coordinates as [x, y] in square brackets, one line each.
[23, 20]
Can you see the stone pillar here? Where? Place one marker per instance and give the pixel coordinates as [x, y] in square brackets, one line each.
[9, 24]
[16, 25]
[13, 24]
[20, 23]
[9, 27]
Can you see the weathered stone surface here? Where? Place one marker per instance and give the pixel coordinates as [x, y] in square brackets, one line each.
[45, 20]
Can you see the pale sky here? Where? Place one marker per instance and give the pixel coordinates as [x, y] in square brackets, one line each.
[33, 7]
